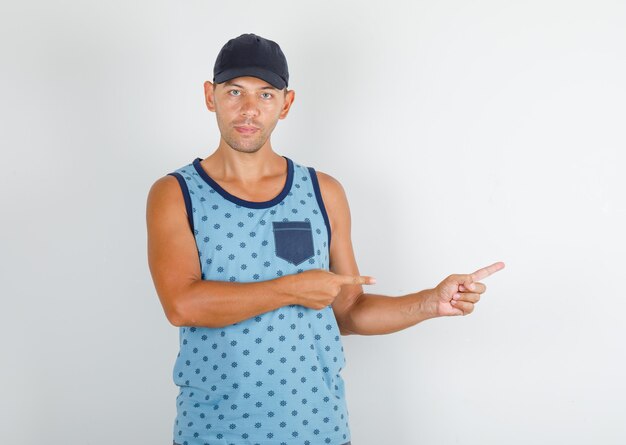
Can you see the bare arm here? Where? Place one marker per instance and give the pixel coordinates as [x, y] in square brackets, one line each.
[372, 314]
[455, 295]
[187, 299]
[357, 312]
[220, 303]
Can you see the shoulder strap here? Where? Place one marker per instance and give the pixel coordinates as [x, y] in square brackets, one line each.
[186, 197]
[320, 201]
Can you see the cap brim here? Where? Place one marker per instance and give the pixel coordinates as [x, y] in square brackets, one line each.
[268, 76]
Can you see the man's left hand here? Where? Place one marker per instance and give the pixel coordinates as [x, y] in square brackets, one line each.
[458, 293]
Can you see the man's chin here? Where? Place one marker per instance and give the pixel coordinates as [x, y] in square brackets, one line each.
[245, 148]
[249, 147]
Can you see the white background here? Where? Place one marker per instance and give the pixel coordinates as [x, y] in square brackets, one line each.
[463, 133]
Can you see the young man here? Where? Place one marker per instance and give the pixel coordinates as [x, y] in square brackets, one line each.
[254, 262]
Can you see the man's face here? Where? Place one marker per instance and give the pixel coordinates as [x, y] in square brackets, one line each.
[247, 110]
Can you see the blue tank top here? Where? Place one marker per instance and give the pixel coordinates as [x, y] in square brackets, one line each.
[273, 379]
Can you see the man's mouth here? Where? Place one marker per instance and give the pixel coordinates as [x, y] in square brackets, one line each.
[245, 129]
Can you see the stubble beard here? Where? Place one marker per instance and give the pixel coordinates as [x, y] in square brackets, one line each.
[248, 145]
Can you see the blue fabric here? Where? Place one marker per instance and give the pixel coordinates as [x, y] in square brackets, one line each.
[275, 378]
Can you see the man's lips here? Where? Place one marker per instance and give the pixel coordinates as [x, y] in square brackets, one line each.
[246, 129]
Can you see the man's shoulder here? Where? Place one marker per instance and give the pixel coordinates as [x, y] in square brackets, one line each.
[329, 185]
[324, 179]
[331, 189]
[168, 186]
[333, 194]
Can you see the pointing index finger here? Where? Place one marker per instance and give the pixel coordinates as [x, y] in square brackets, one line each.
[486, 271]
[356, 279]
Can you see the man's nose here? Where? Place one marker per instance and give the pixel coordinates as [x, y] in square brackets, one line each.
[249, 107]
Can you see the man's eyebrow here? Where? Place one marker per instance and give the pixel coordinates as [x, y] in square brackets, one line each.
[229, 82]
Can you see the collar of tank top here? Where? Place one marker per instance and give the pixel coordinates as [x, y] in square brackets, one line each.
[242, 202]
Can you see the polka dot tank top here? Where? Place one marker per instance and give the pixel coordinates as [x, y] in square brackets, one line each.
[273, 379]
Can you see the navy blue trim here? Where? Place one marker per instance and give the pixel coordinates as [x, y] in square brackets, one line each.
[242, 202]
[185, 190]
[320, 202]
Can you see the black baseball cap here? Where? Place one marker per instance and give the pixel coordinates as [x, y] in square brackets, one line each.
[252, 55]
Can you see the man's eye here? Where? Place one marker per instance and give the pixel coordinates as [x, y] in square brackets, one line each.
[234, 91]
[269, 95]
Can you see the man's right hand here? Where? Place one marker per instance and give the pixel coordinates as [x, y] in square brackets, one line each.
[317, 288]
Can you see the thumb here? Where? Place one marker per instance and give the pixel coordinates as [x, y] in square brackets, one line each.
[467, 282]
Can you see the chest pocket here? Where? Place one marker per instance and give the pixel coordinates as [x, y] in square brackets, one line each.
[293, 240]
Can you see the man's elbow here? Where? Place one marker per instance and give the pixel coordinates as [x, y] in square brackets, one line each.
[176, 311]
[346, 327]
[345, 322]
[174, 316]
[344, 331]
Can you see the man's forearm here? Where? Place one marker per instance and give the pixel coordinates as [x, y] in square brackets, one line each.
[220, 303]
[375, 314]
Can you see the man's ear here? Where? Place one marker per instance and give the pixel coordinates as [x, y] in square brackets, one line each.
[289, 98]
[208, 96]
